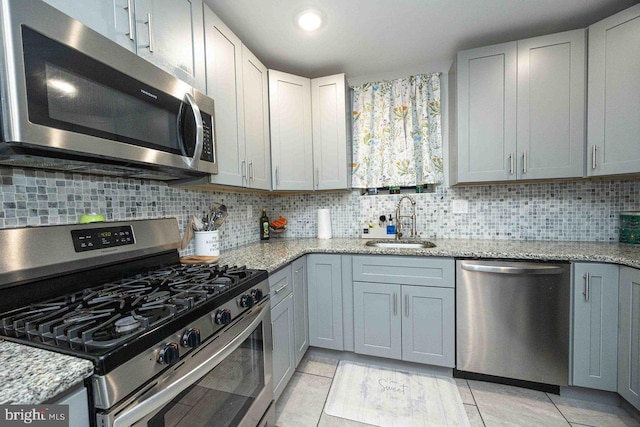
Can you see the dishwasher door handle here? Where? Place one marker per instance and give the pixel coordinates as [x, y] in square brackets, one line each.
[508, 269]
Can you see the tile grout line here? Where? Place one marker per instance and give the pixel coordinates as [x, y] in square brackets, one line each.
[329, 392]
[476, 404]
[315, 375]
[558, 409]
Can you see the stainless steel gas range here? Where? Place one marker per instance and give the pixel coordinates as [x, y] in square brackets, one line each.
[172, 344]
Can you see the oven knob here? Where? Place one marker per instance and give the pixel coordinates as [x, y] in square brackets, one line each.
[191, 338]
[256, 294]
[223, 317]
[246, 301]
[169, 354]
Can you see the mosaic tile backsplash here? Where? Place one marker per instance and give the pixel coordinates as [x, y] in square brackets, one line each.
[30, 197]
[580, 210]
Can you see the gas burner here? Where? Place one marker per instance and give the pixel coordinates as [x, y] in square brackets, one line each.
[127, 324]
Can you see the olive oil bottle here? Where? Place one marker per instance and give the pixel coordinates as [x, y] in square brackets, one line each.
[264, 226]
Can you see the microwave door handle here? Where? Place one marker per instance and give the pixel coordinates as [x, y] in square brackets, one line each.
[193, 161]
[156, 401]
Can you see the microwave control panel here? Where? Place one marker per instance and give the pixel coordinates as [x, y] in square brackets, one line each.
[207, 146]
[102, 238]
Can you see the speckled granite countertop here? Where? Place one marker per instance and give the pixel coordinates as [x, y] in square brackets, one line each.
[279, 252]
[31, 376]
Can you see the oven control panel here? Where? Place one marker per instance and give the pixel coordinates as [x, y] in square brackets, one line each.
[101, 238]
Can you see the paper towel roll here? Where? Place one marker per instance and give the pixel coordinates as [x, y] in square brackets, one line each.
[324, 224]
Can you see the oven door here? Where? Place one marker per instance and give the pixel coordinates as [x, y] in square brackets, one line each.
[228, 382]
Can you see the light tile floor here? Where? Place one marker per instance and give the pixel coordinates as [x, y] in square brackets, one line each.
[487, 404]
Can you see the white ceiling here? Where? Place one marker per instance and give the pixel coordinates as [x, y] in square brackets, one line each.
[374, 38]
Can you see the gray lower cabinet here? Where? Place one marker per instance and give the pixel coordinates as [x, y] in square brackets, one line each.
[629, 336]
[325, 301]
[78, 403]
[284, 363]
[428, 325]
[405, 309]
[300, 310]
[412, 323]
[377, 322]
[595, 326]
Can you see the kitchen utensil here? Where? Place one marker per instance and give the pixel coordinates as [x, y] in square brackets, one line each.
[219, 216]
[188, 233]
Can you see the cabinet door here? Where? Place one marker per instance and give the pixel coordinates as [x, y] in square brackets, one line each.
[283, 357]
[113, 19]
[224, 85]
[428, 325]
[330, 130]
[629, 336]
[595, 326]
[300, 312]
[291, 134]
[256, 121]
[614, 94]
[376, 319]
[78, 403]
[325, 301]
[486, 92]
[170, 34]
[551, 106]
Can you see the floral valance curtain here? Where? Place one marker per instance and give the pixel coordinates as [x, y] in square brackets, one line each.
[397, 138]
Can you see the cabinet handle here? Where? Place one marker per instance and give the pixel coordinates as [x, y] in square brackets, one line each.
[524, 161]
[277, 176]
[243, 170]
[150, 31]
[406, 304]
[130, 15]
[594, 156]
[317, 178]
[251, 171]
[395, 304]
[511, 167]
[280, 289]
[586, 286]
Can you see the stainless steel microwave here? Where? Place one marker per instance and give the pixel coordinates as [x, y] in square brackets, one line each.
[76, 101]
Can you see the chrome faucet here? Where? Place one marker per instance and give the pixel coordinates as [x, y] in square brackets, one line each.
[399, 217]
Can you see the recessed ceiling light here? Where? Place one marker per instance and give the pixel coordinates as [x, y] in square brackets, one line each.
[309, 20]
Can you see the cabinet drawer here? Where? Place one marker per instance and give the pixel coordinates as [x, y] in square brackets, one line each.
[280, 285]
[405, 270]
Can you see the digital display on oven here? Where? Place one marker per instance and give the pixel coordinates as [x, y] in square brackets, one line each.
[101, 238]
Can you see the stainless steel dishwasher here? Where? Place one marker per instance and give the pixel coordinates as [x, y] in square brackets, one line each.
[512, 320]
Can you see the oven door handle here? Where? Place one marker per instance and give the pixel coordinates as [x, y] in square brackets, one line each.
[141, 409]
[192, 162]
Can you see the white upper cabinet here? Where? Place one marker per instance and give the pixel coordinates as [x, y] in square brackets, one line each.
[521, 108]
[223, 52]
[170, 35]
[331, 130]
[486, 92]
[614, 94]
[291, 132]
[551, 106]
[113, 19]
[310, 131]
[256, 121]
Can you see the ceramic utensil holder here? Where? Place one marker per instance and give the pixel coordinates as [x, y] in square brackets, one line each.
[207, 243]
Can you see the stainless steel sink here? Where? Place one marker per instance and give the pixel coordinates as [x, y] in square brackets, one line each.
[401, 244]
